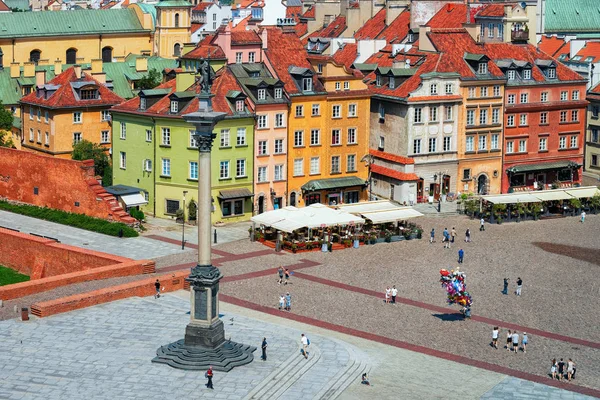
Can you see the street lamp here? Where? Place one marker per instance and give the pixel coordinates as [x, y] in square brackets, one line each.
[435, 177]
[369, 160]
[183, 223]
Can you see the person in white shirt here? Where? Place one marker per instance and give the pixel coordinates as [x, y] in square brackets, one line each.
[388, 294]
[515, 342]
[394, 294]
[482, 224]
[305, 344]
[495, 333]
[281, 302]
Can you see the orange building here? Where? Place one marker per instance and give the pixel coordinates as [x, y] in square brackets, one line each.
[71, 107]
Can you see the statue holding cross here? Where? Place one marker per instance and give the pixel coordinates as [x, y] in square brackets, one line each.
[205, 76]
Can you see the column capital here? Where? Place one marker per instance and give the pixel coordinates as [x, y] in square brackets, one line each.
[205, 142]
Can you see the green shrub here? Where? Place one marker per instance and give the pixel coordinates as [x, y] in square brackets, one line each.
[81, 221]
[137, 214]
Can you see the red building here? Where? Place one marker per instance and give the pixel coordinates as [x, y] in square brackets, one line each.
[544, 119]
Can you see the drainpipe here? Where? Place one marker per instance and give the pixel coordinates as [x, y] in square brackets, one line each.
[154, 166]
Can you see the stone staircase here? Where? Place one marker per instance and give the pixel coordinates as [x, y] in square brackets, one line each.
[115, 211]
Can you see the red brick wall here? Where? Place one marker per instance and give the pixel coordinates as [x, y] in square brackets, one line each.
[61, 183]
[129, 268]
[40, 258]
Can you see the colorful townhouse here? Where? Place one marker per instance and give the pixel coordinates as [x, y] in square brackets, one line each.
[591, 173]
[66, 110]
[328, 124]
[154, 148]
[268, 100]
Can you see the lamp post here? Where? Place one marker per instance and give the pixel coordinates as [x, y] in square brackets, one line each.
[369, 160]
[183, 223]
[435, 177]
[204, 343]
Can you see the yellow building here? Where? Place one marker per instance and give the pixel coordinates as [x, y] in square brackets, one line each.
[173, 27]
[71, 107]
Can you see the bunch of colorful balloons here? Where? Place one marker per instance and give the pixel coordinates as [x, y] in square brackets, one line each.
[454, 283]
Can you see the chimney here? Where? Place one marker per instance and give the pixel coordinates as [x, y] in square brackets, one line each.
[394, 9]
[264, 36]
[100, 77]
[28, 70]
[40, 78]
[424, 42]
[57, 67]
[474, 30]
[77, 69]
[407, 64]
[15, 70]
[96, 66]
[141, 64]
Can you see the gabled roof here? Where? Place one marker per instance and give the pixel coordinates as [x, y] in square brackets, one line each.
[392, 173]
[398, 29]
[242, 38]
[553, 46]
[293, 11]
[3, 7]
[346, 55]
[65, 96]
[391, 157]
[594, 93]
[492, 10]
[373, 27]
[249, 83]
[202, 6]
[450, 16]
[205, 50]
[309, 14]
[334, 29]
[590, 52]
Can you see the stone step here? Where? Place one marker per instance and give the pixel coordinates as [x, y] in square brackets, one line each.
[313, 359]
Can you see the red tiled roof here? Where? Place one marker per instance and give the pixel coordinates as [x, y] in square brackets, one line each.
[203, 6]
[241, 26]
[595, 89]
[398, 29]
[301, 29]
[195, 27]
[4, 7]
[591, 49]
[346, 55]
[373, 27]
[64, 96]
[333, 30]
[401, 176]
[492, 10]
[391, 157]
[242, 38]
[204, 50]
[293, 12]
[552, 45]
[310, 13]
[450, 16]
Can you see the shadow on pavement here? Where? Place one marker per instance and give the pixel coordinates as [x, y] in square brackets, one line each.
[579, 253]
[450, 317]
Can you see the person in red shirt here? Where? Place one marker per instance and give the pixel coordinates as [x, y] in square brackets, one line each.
[209, 376]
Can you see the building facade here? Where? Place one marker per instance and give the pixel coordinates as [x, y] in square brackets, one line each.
[591, 173]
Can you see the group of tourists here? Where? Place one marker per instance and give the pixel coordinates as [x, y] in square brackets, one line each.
[512, 340]
[557, 370]
[390, 295]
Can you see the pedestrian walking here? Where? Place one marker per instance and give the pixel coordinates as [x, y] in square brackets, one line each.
[364, 379]
[280, 272]
[495, 333]
[288, 302]
[482, 224]
[515, 341]
[461, 255]
[570, 369]
[446, 239]
[561, 369]
[453, 234]
[505, 290]
[468, 236]
[553, 369]
[305, 343]
[582, 217]
[519, 286]
[281, 302]
[432, 235]
[394, 294]
[525, 341]
[157, 286]
[287, 276]
[264, 349]
[509, 340]
[209, 375]
[388, 295]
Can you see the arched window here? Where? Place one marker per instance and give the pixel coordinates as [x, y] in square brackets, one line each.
[34, 56]
[176, 20]
[177, 50]
[71, 56]
[293, 199]
[107, 54]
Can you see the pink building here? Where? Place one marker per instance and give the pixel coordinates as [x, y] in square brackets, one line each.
[240, 46]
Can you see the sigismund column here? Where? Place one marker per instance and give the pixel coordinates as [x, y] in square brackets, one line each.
[204, 343]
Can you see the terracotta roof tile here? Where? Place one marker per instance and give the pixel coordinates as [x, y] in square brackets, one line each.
[204, 50]
[310, 13]
[195, 27]
[401, 176]
[449, 16]
[334, 29]
[373, 27]
[591, 49]
[241, 26]
[391, 157]
[242, 38]
[398, 29]
[65, 96]
[595, 89]
[492, 10]
[301, 29]
[293, 12]
[4, 7]
[203, 6]
[346, 55]
[552, 45]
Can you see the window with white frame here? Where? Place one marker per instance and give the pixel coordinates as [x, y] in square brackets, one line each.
[551, 73]
[510, 120]
[432, 145]
[494, 142]
[262, 174]
[47, 138]
[279, 121]
[123, 133]
[449, 88]
[335, 137]
[149, 135]
[470, 117]
[335, 164]
[225, 138]
[346, 85]
[241, 137]
[240, 168]
[562, 142]
[104, 137]
[31, 135]
[417, 146]
[524, 98]
[166, 167]
[165, 136]
[483, 91]
[193, 169]
[336, 111]
[469, 145]
[298, 138]
[278, 93]
[193, 139]
[262, 148]
[351, 162]
[483, 117]
[418, 117]
[448, 113]
[490, 30]
[381, 145]
[224, 169]
[543, 144]
[574, 141]
[262, 94]
[315, 166]
[511, 74]
[251, 57]
[307, 84]
[526, 74]
[510, 147]
[496, 90]
[433, 88]
[316, 110]
[482, 142]
[433, 114]
[262, 121]
[278, 172]
[351, 136]
[495, 115]
[522, 119]
[278, 146]
[574, 115]
[447, 143]
[522, 146]
[352, 110]
[315, 137]
[510, 99]
[239, 106]
[543, 118]
[104, 115]
[563, 116]
[338, 85]
[482, 68]
[299, 111]
[544, 97]
[142, 103]
[76, 117]
[298, 167]
[174, 107]
[239, 57]
[575, 95]
[564, 95]
[122, 160]
[39, 137]
[472, 92]
[76, 137]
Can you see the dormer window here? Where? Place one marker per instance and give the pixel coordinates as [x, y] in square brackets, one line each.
[392, 84]
[142, 103]
[239, 106]
[378, 80]
[482, 68]
[511, 74]
[552, 73]
[320, 68]
[278, 93]
[88, 94]
[307, 84]
[526, 74]
[174, 107]
[410, 38]
[262, 94]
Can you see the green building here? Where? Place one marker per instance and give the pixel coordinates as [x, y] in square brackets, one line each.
[154, 148]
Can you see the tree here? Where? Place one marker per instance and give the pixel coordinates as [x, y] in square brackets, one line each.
[6, 118]
[151, 80]
[6, 139]
[86, 150]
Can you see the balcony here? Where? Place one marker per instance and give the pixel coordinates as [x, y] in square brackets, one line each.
[519, 36]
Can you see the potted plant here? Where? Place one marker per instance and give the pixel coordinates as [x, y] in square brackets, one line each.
[499, 220]
[179, 216]
[388, 236]
[373, 238]
[520, 211]
[536, 209]
[294, 248]
[595, 202]
[575, 206]
[259, 236]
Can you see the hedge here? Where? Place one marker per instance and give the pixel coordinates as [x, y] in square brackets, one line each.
[66, 218]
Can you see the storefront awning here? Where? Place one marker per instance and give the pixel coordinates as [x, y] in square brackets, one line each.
[368, 206]
[542, 166]
[332, 183]
[132, 200]
[511, 198]
[584, 192]
[378, 217]
[235, 194]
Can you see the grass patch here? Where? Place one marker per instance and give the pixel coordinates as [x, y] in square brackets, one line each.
[66, 218]
[9, 276]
